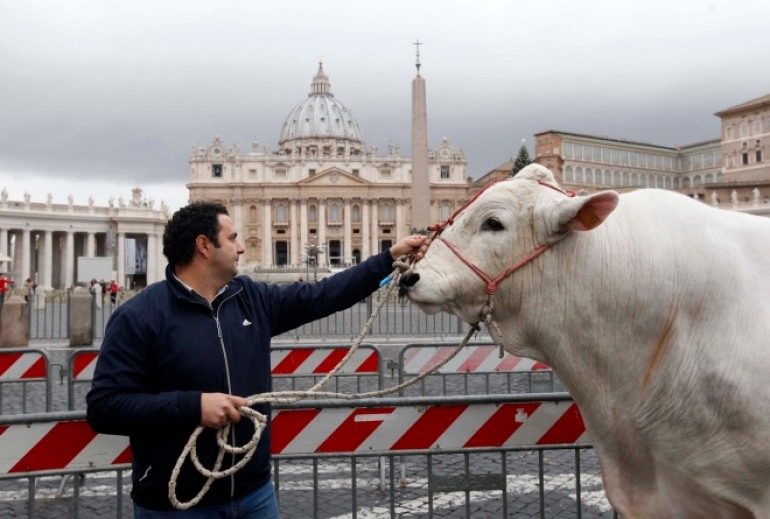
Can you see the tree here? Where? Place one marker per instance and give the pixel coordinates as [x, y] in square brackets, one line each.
[522, 160]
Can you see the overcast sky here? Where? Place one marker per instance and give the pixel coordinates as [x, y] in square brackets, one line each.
[99, 96]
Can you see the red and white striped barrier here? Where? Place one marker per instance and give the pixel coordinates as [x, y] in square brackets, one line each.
[439, 427]
[27, 365]
[319, 361]
[72, 445]
[82, 365]
[289, 361]
[471, 359]
[57, 446]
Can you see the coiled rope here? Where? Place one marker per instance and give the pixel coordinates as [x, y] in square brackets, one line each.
[260, 421]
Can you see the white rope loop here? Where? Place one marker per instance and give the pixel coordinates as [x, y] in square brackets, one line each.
[285, 397]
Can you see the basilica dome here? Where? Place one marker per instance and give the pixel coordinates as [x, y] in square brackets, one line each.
[320, 116]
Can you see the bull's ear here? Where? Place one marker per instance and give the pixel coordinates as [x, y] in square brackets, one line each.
[586, 212]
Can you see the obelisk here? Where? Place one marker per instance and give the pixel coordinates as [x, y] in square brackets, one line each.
[421, 218]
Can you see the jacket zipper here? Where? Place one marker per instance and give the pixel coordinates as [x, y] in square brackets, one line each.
[215, 315]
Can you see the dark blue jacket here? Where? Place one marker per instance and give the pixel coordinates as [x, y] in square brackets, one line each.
[162, 349]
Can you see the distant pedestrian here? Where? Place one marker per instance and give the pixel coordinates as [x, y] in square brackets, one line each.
[96, 290]
[114, 292]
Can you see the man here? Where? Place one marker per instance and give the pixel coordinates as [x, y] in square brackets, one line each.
[187, 350]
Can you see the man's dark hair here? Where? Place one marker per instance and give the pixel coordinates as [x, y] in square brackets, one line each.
[186, 225]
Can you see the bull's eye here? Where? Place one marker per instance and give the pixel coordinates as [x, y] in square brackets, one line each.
[492, 224]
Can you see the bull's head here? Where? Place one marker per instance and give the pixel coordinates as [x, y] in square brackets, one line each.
[509, 224]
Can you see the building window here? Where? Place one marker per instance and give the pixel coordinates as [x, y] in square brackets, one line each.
[280, 213]
[729, 133]
[310, 172]
[356, 173]
[444, 211]
[385, 173]
[312, 214]
[444, 172]
[759, 156]
[216, 170]
[758, 126]
[745, 158]
[280, 174]
[744, 129]
[334, 213]
[355, 214]
[386, 213]
[252, 174]
[253, 214]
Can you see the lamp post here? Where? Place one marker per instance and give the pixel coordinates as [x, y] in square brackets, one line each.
[312, 250]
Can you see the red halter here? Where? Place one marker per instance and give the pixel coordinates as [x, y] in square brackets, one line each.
[491, 283]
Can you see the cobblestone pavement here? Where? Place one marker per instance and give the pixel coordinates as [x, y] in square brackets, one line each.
[334, 488]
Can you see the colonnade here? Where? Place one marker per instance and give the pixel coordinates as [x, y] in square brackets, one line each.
[43, 241]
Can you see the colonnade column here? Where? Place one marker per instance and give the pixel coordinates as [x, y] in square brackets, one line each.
[295, 248]
[347, 233]
[267, 233]
[90, 245]
[322, 231]
[365, 245]
[302, 224]
[375, 228]
[47, 274]
[121, 259]
[26, 257]
[152, 258]
[4, 249]
[69, 259]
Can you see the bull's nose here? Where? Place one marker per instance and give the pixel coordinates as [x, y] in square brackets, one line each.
[408, 280]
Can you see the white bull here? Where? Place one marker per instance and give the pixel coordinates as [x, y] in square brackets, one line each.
[654, 311]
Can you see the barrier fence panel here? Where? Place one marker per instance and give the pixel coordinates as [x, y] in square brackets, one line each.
[478, 365]
[298, 367]
[293, 368]
[30, 369]
[481, 455]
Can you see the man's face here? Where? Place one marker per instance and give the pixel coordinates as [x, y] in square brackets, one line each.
[225, 258]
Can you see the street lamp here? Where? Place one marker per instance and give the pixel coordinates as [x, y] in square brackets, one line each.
[312, 250]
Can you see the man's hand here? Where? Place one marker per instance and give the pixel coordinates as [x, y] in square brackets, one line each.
[220, 409]
[416, 244]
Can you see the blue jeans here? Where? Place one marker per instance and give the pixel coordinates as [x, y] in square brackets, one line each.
[260, 504]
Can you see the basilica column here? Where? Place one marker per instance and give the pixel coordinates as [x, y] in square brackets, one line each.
[302, 225]
[322, 230]
[295, 247]
[69, 260]
[47, 254]
[347, 233]
[375, 227]
[267, 233]
[399, 219]
[365, 229]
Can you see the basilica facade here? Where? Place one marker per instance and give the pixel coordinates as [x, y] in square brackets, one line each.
[323, 195]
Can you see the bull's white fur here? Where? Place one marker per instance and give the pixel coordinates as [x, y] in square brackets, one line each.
[657, 321]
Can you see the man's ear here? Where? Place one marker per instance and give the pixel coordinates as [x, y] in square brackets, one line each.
[585, 213]
[202, 245]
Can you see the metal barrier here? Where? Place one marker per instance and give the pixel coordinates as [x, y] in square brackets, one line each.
[49, 321]
[444, 435]
[291, 367]
[310, 362]
[478, 365]
[29, 367]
